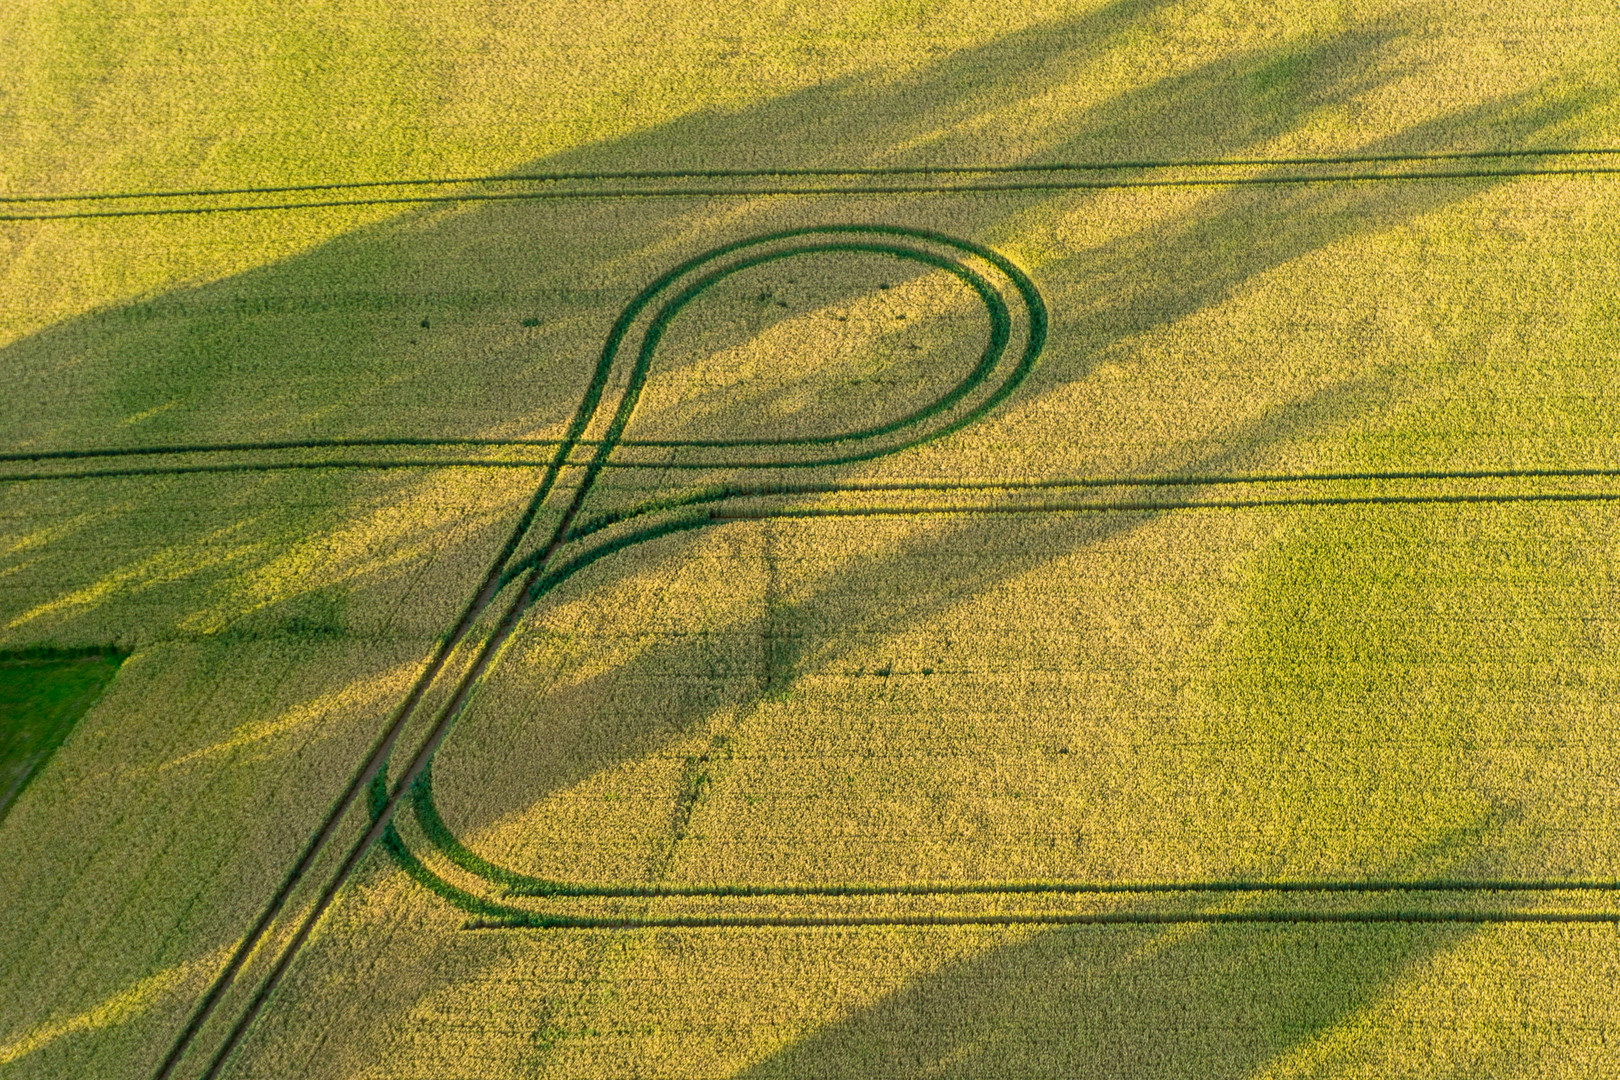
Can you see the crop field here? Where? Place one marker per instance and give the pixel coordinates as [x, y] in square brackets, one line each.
[907, 540]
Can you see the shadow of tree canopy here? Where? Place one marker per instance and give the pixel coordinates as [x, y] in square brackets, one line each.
[1218, 1001]
[1213, 1000]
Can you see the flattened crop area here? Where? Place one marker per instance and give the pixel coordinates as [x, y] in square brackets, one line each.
[1205, 588]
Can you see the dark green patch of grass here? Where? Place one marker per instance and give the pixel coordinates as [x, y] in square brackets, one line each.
[43, 692]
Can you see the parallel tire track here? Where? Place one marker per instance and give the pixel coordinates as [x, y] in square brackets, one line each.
[997, 374]
[855, 180]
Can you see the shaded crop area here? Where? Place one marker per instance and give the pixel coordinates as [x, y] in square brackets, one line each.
[43, 692]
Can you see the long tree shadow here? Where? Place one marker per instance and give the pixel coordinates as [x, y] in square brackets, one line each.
[1213, 1000]
[363, 337]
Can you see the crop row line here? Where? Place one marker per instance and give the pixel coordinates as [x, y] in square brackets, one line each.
[1034, 918]
[1151, 505]
[999, 888]
[564, 176]
[721, 192]
[850, 487]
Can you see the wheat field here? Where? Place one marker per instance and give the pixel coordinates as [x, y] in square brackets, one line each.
[900, 540]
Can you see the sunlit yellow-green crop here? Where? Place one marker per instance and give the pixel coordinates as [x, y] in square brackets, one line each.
[904, 538]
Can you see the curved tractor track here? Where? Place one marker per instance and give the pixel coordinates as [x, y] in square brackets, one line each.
[526, 576]
[560, 533]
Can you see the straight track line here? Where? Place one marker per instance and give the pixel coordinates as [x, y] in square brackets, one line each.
[850, 487]
[562, 176]
[1138, 918]
[718, 192]
[1075, 888]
